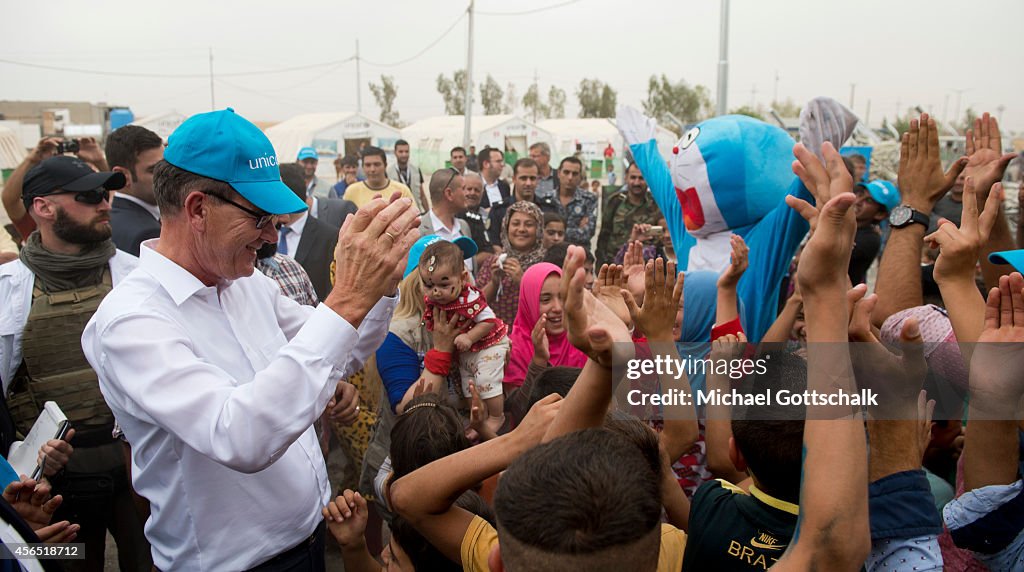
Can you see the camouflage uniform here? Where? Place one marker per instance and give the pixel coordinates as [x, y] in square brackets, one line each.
[617, 223]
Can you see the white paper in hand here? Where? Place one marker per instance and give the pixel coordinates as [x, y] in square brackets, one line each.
[51, 424]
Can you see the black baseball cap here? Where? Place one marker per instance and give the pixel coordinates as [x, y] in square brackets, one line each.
[65, 173]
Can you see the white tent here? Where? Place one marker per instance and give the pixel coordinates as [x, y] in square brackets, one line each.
[593, 136]
[163, 124]
[431, 140]
[331, 134]
[12, 151]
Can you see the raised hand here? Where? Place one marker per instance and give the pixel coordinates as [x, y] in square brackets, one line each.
[46, 148]
[728, 347]
[662, 298]
[610, 281]
[959, 247]
[921, 180]
[996, 380]
[371, 246]
[633, 268]
[346, 518]
[826, 257]
[592, 327]
[541, 346]
[90, 152]
[986, 162]
[538, 419]
[738, 263]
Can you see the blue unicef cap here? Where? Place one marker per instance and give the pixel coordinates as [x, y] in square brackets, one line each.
[468, 246]
[1012, 257]
[884, 193]
[307, 153]
[224, 146]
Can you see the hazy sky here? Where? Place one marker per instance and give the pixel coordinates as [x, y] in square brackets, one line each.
[897, 52]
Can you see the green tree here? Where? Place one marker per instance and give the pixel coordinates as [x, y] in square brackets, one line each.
[534, 105]
[556, 103]
[453, 92]
[689, 104]
[749, 111]
[385, 94]
[597, 99]
[491, 96]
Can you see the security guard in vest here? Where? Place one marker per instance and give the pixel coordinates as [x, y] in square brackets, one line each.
[65, 269]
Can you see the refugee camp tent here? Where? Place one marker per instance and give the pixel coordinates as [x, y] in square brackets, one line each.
[431, 140]
[163, 124]
[331, 134]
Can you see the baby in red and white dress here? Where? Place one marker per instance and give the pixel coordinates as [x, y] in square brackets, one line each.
[483, 345]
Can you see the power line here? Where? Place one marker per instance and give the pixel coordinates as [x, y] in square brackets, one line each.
[531, 11]
[424, 50]
[179, 76]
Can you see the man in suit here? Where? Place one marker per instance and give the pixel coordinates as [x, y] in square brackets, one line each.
[408, 174]
[308, 240]
[447, 200]
[496, 191]
[134, 151]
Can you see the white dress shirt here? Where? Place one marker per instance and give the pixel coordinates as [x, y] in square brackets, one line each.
[295, 235]
[217, 389]
[493, 192]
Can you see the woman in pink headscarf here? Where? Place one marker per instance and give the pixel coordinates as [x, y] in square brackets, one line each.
[539, 338]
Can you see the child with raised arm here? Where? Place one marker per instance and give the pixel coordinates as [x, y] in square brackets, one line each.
[483, 346]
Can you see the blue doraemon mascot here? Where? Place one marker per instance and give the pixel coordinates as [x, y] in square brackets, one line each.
[730, 175]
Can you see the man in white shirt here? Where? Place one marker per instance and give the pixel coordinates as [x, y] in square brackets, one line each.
[215, 377]
[496, 190]
[447, 201]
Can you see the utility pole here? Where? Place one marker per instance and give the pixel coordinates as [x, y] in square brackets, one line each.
[959, 98]
[945, 109]
[359, 82]
[867, 115]
[468, 106]
[213, 101]
[723, 60]
[853, 88]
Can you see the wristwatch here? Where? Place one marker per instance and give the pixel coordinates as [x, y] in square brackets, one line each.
[905, 215]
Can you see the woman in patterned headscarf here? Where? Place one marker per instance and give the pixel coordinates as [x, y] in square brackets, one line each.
[521, 241]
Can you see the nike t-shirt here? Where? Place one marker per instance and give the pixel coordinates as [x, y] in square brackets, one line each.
[734, 530]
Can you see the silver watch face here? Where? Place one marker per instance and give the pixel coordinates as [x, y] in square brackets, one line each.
[900, 216]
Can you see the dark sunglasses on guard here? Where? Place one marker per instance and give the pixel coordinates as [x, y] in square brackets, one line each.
[93, 197]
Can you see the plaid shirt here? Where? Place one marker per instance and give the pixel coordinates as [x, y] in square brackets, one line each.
[580, 216]
[290, 276]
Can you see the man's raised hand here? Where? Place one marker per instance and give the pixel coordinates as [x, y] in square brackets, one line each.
[959, 247]
[372, 245]
[986, 161]
[592, 327]
[826, 257]
[921, 180]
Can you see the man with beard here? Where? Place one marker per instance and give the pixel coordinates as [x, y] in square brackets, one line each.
[68, 265]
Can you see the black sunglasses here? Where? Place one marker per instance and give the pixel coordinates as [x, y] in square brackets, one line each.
[455, 173]
[262, 218]
[93, 197]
